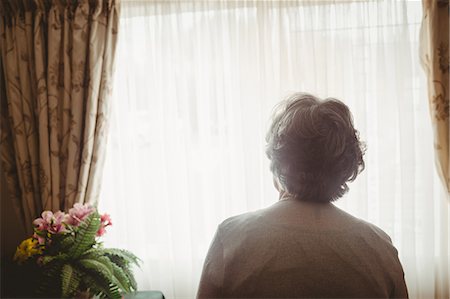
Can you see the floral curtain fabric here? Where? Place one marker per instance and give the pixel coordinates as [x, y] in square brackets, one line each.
[57, 63]
[434, 54]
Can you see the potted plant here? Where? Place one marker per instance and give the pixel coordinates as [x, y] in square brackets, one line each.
[65, 258]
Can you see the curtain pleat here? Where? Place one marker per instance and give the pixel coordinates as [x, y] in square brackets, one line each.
[434, 54]
[57, 61]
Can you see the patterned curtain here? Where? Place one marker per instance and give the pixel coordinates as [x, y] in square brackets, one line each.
[56, 71]
[434, 54]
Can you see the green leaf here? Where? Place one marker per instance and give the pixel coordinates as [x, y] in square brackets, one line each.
[50, 280]
[67, 242]
[131, 279]
[93, 253]
[100, 285]
[69, 281]
[85, 236]
[118, 265]
[119, 261]
[97, 267]
[53, 258]
[127, 256]
[106, 262]
[121, 278]
[47, 259]
[124, 259]
[102, 271]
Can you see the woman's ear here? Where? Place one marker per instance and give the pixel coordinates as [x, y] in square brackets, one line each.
[275, 183]
[278, 186]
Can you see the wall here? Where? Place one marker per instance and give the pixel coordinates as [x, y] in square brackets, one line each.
[12, 232]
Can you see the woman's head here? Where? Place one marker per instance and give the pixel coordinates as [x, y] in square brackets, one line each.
[314, 148]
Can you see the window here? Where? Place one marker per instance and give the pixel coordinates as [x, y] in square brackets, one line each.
[195, 85]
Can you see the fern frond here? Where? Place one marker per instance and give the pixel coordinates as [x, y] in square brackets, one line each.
[96, 266]
[93, 253]
[53, 258]
[121, 278]
[118, 261]
[100, 285]
[106, 262]
[47, 259]
[131, 279]
[49, 280]
[126, 270]
[102, 271]
[126, 255]
[118, 277]
[67, 242]
[85, 236]
[69, 281]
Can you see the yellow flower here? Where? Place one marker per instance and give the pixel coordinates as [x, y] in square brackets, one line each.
[27, 249]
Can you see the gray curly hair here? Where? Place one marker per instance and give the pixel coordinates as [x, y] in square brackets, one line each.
[313, 147]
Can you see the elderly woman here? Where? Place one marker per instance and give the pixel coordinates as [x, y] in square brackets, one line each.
[303, 246]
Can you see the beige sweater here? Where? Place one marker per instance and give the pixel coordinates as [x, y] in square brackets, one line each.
[294, 249]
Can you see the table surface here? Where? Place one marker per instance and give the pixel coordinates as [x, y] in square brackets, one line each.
[144, 295]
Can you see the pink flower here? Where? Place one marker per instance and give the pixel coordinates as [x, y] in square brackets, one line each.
[105, 221]
[106, 218]
[78, 213]
[101, 231]
[40, 239]
[43, 223]
[50, 222]
[57, 225]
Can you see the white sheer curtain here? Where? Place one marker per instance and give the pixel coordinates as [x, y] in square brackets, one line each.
[195, 85]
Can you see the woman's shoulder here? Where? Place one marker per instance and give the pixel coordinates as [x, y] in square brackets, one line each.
[252, 225]
[241, 220]
[371, 230]
[364, 227]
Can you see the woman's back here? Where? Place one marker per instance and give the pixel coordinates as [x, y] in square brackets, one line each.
[297, 249]
[303, 246]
